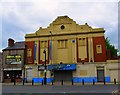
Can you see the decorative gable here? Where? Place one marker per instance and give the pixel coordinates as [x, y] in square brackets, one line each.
[64, 25]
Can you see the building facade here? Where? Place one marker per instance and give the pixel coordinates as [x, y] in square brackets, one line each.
[73, 52]
[13, 61]
[0, 66]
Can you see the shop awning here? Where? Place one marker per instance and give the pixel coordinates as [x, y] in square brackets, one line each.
[62, 67]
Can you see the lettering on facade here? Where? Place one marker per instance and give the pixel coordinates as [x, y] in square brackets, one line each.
[13, 59]
[41, 68]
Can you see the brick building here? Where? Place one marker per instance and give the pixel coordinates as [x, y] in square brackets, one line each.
[13, 61]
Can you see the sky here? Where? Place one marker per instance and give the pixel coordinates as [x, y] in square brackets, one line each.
[20, 17]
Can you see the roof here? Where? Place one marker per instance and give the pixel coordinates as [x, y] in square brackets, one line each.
[17, 45]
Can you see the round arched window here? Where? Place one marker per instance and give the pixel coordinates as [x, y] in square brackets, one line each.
[62, 27]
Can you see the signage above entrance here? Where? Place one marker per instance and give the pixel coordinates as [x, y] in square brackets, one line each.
[41, 68]
[62, 67]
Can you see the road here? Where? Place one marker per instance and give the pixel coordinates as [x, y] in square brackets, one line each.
[51, 90]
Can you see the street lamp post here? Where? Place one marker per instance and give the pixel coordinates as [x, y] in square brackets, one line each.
[45, 70]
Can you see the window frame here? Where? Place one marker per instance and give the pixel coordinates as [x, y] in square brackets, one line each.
[99, 49]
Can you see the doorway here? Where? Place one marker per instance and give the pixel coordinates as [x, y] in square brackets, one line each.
[29, 74]
[100, 73]
[63, 75]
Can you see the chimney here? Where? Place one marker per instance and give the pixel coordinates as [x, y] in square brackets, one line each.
[10, 42]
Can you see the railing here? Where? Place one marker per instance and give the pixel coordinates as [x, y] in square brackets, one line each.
[62, 82]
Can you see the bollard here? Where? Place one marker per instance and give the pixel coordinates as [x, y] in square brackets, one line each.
[83, 81]
[104, 81]
[93, 82]
[52, 82]
[72, 82]
[32, 82]
[42, 82]
[62, 82]
[114, 81]
[23, 81]
[14, 82]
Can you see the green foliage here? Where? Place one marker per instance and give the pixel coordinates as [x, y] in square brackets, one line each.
[111, 47]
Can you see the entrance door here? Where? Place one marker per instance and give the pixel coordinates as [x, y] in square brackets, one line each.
[63, 75]
[100, 75]
[29, 75]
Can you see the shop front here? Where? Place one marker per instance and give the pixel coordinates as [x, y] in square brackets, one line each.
[62, 71]
[9, 75]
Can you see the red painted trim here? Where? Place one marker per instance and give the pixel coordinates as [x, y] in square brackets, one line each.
[33, 53]
[77, 49]
[79, 59]
[47, 60]
[40, 61]
[99, 41]
[30, 45]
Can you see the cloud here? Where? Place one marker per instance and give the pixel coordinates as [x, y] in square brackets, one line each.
[60, 1]
[21, 17]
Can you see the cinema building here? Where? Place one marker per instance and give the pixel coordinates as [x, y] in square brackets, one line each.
[13, 61]
[73, 52]
[0, 67]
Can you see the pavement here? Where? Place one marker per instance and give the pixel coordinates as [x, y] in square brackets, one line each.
[64, 89]
[57, 88]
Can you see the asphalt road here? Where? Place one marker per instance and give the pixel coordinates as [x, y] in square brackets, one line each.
[60, 90]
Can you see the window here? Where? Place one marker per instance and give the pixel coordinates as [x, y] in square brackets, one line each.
[62, 27]
[43, 44]
[29, 52]
[62, 43]
[82, 42]
[99, 49]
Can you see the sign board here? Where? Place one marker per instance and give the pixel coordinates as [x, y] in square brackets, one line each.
[13, 59]
[62, 67]
[41, 68]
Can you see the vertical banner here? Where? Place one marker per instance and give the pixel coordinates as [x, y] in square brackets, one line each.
[35, 48]
[51, 50]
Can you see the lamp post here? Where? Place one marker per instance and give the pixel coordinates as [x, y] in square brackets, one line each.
[45, 82]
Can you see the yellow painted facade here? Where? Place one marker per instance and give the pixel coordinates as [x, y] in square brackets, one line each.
[71, 44]
[63, 47]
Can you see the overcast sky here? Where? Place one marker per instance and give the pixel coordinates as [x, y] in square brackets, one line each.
[18, 17]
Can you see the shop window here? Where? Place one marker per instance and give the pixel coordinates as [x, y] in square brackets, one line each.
[99, 49]
[62, 44]
[82, 41]
[43, 44]
[29, 52]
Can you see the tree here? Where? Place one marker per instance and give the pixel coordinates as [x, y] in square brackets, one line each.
[111, 47]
